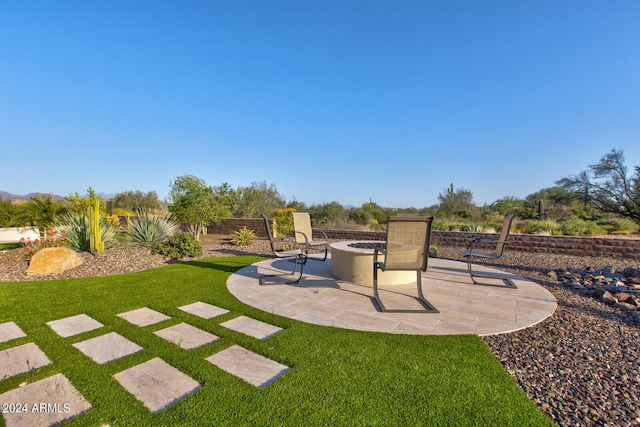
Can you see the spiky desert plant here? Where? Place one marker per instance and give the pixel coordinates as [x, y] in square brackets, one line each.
[243, 237]
[96, 244]
[77, 229]
[148, 230]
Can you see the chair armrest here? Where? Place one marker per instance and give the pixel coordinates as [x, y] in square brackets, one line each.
[306, 239]
[324, 235]
[376, 251]
[484, 240]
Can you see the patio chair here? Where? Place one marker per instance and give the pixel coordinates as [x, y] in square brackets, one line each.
[498, 244]
[304, 234]
[297, 255]
[406, 249]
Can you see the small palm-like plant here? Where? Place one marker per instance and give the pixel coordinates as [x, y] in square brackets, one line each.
[243, 237]
[147, 230]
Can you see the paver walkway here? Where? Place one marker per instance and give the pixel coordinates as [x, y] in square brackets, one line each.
[464, 308]
[155, 383]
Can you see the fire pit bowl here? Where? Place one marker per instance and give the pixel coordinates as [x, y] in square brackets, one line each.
[352, 261]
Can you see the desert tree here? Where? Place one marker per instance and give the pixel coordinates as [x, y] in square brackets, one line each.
[197, 204]
[607, 186]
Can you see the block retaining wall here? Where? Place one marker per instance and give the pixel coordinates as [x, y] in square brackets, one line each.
[562, 245]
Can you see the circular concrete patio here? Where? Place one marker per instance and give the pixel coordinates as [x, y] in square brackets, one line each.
[464, 308]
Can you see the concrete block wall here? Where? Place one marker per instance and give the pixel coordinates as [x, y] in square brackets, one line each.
[562, 245]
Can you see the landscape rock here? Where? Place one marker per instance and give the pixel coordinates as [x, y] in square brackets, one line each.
[53, 261]
[625, 306]
[608, 298]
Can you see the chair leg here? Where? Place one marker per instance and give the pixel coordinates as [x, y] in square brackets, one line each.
[428, 307]
[302, 259]
[508, 283]
[326, 251]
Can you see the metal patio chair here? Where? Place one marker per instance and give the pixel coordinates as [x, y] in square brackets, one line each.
[406, 249]
[297, 255]
[304, 234]
[498, 245]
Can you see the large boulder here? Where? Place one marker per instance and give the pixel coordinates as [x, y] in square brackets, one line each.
[53, 261]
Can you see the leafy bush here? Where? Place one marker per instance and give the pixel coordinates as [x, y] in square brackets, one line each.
[534, 226]
[618, 225]
[451, 224]
[148, 230]
[123, 212]
[180, 246]
[77, 229]
[243, 237]
[433, 251]
[580, 227]
[283, 222]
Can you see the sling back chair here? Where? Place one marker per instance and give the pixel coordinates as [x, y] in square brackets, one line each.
[406, 249]
[304, 234]
[293, 252]
[497, 244]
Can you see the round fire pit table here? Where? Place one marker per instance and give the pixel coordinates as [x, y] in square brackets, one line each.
[352, 261]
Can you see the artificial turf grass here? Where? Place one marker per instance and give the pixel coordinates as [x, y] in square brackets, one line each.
[9, 246]
[338, 376]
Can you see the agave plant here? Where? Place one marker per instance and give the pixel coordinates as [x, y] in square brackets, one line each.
[147, 230]
[78, 228]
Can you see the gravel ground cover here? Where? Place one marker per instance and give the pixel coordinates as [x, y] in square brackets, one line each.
[581, 365]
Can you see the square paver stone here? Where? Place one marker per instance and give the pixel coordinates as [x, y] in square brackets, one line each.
[24, 358]
[143, 316]
[249, 366]
[157, 384]
[253, 328]
[106, 348]
[204, 310]
[74, 325]
[186, 336]
[48, 402]
[10, 331]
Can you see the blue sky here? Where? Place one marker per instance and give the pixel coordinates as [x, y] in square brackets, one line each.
[348, 101]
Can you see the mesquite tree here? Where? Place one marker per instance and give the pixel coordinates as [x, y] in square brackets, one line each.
[607, 187]
[196, 204]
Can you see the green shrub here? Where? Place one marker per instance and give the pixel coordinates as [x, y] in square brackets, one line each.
[283, 222]
[243, 237]
[433, 251]
[534, 226]
[618, 225]
[580, 227]
[180, 246]
[147, 230]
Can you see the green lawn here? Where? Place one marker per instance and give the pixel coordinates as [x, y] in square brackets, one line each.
[338, 377]
[8, 246]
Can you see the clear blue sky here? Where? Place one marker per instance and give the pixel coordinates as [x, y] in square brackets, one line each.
[348, 101]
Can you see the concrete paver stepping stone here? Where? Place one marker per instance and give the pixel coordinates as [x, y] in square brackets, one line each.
[10, 331]
[44, 403]
[24, 358]
[74, 325]
[186, 336]
[249, 366]
[253, 328]
[143, 316]
[106, 348]
[204, 310]
[157, 384]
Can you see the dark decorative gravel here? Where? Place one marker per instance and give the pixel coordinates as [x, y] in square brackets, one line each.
[581, 365]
